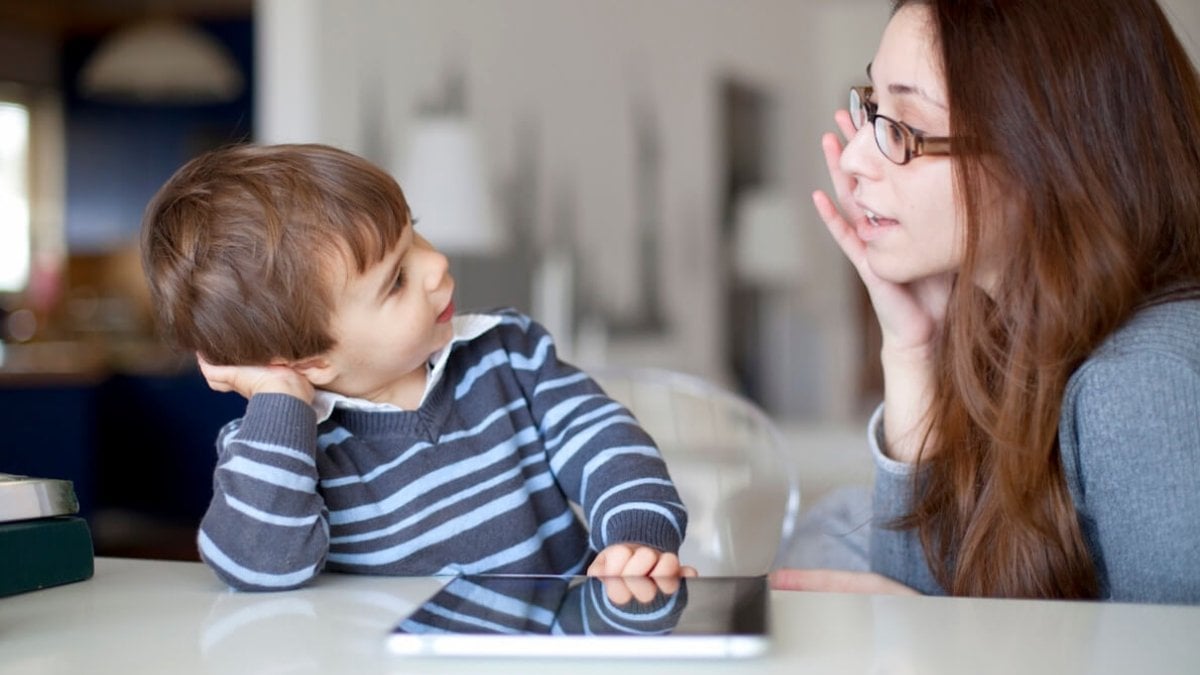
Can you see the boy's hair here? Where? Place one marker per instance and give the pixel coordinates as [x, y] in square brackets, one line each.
[237, 247]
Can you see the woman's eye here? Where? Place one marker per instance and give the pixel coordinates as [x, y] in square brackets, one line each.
[896, 134]
[399, 283]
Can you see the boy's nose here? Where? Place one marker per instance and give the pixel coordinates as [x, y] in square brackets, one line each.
[439, 266]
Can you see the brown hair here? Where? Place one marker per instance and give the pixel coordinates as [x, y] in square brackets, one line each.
[236, 247]
[1085, 116]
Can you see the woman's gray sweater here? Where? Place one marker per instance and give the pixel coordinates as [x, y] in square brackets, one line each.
[1129, 435]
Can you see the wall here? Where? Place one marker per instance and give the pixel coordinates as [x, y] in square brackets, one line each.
[118, 155]
[354, 74]
[1185, 17]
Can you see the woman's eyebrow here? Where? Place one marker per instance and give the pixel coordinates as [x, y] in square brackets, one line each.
[911, 90]
[908, 90]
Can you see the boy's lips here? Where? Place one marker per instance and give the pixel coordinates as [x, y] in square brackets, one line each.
[447, 313]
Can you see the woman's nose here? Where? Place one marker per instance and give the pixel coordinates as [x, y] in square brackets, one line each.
[860, 156]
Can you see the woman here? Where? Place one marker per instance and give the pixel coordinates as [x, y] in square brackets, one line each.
[1020, 194]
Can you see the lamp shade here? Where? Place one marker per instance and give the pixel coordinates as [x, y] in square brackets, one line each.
[443, 180]
[161, 61]
[768, 247]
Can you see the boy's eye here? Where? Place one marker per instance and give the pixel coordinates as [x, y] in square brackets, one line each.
[399, 283]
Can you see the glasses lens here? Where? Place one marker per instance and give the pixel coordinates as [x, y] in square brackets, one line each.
[858, 114]
[892, 139]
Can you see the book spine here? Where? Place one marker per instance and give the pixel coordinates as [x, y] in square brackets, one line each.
[44, 552]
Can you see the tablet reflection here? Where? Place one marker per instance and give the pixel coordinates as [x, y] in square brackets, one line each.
[552, 606]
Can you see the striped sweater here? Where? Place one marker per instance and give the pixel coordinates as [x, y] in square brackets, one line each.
[480, 479]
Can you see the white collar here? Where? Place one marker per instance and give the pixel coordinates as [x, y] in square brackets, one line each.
[467, 327]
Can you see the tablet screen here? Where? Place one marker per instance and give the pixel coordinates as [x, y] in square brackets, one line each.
[700, 617]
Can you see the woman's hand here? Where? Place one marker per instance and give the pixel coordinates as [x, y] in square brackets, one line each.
[837, 581]
[251, 380]
[910, 314]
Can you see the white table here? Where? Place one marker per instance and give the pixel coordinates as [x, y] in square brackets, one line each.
[139, 616]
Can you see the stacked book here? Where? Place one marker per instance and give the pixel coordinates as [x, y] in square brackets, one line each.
[43, 542]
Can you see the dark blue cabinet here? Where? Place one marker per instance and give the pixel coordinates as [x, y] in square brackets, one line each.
[139, 445]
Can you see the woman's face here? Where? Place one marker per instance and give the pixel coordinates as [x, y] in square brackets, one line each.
[914, 229]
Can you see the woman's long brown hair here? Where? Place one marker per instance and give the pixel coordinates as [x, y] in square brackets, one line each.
[1077, 125]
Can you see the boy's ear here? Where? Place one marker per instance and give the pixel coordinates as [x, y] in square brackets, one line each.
[317, 369]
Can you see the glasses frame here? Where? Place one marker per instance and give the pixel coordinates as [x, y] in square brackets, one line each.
[916, 143]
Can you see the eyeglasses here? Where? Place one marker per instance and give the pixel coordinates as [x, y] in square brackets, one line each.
[896, 140]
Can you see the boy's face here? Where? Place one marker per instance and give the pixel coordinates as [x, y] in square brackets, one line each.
[387, 322]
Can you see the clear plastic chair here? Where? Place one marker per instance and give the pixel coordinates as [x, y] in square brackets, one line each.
[728, 462]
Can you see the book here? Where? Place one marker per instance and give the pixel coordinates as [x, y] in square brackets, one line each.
[25, 497]
[44, 552]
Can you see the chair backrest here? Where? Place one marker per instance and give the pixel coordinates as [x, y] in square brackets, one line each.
[727, 460]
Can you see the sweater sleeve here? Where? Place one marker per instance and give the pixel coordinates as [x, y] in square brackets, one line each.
[896, 554]
[1130, 439]
[599, 454]
[266, 527]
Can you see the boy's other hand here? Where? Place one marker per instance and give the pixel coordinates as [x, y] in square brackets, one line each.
[637, 560]
[251, 380]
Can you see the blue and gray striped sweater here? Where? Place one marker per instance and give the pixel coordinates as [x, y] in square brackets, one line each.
[478, 480]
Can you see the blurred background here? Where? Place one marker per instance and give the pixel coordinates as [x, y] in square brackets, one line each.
[635, 174]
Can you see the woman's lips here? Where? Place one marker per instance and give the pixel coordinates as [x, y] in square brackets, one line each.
[874, 226]
[447, 313]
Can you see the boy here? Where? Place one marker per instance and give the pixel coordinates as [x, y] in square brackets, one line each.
[383, 434]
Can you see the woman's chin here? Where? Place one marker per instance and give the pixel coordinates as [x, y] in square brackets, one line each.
[902, 268]
[891, 268]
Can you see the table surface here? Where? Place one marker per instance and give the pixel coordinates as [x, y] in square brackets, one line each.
[142, 616]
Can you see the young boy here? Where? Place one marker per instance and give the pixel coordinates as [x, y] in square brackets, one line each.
[383, 434]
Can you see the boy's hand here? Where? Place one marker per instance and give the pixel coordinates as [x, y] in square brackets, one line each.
[621, 590]
[637, 560]
[251, 380]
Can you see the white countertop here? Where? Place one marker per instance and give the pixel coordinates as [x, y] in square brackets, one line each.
[140, 616]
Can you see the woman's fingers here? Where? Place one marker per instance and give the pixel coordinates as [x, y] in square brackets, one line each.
[837, 581]
[842, 118]
[843, 232]
[843, 183]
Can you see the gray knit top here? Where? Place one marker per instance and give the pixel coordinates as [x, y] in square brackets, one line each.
[1129, 435]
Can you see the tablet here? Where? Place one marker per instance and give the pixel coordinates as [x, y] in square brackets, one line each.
[535, 616]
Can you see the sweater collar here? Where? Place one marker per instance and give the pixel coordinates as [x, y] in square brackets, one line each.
[467, 327]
